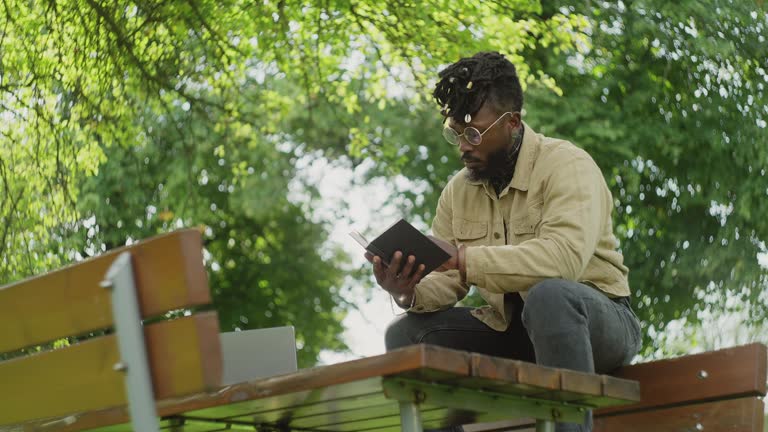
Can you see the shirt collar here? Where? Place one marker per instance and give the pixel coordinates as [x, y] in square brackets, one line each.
[528, 151]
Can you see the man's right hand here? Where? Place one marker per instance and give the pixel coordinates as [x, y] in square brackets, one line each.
[400, 285]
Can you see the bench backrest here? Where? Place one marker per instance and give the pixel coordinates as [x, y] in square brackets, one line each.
[70, 304]
[710, 391]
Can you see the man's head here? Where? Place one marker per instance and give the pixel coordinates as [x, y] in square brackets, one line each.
[476, 92]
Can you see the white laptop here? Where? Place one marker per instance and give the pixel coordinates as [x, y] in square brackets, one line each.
[259, 353]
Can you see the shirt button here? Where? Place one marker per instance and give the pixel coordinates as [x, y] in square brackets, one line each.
[496, 235]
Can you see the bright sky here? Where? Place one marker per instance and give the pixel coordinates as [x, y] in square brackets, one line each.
[343, 201]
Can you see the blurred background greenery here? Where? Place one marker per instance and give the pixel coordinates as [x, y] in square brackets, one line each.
[120, 120]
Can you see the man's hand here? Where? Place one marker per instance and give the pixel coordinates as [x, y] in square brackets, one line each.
[400, 285]
[450, 249]
[456, 261]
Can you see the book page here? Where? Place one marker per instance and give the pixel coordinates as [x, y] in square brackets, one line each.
[359, 238]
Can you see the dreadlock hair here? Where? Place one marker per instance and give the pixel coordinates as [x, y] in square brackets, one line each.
[470, 82]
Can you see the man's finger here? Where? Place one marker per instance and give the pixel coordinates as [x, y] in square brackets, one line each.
[408, 269]
[369, 257]
[418, 275]
[394, 265]
[378, 269]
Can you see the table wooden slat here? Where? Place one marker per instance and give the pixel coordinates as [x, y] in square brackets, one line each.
[576, 386]
[500, 374]
[523, 378]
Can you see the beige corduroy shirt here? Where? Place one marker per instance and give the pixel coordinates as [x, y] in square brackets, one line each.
[552, 221]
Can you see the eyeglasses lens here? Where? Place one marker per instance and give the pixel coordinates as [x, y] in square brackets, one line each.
[451, 136]
[472, 136]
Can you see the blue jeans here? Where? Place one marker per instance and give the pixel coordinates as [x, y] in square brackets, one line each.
[561, 324]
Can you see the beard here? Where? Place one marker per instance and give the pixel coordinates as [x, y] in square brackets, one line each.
[500, 168]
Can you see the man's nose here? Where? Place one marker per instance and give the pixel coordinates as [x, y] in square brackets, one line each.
[465, 146]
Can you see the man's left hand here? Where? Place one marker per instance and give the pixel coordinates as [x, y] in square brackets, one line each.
[453, 251]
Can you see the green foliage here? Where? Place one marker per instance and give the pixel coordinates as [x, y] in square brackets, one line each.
[676, 116]
[124, 119]
[259, 246]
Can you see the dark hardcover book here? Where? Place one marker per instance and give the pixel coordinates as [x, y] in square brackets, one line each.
[404, 237]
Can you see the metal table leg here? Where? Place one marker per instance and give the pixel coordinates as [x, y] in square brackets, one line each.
[545, 426]
[410, 417]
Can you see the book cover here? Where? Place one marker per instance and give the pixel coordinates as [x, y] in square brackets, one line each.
[404, 237]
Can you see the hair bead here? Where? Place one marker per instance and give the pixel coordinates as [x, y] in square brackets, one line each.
[470, 82]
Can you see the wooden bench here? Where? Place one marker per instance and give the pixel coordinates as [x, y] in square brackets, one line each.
[146, 281]
[712, 391]
[177, 386]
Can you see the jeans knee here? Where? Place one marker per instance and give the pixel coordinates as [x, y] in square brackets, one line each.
[397, 334]
[545, 300]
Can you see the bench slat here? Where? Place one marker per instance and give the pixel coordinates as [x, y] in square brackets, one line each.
[727, 373]
[184, 356]
[735, 415]
[169, 274]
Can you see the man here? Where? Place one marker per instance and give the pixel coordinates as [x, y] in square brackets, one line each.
[528, 223]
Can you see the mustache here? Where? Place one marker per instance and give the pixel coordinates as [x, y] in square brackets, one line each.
[466, 157]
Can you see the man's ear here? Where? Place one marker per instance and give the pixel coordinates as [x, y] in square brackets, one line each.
[515, 121]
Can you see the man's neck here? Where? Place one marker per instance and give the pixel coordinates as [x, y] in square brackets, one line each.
[501, 179]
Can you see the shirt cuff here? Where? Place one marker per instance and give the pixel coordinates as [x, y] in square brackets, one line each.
[474, 263]
[417, 305]
[423, 303]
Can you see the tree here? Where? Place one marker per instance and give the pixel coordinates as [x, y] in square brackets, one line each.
[193, 114]
[677, 116]
[266, 259]
[125, 119]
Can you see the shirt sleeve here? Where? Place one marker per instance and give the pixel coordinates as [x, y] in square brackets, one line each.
[574, 208]
[440, 290]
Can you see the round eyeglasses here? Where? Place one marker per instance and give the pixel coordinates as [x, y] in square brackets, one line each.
[471, 134]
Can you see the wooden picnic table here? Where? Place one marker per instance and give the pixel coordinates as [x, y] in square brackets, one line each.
[105, 384]
[419, 386]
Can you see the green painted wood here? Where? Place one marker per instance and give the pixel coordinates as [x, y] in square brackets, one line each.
[328, 413]
[491, 403]
[175, 425]
[303, 402]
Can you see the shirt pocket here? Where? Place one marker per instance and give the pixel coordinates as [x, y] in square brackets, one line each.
[524, 226]
[470, 232]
